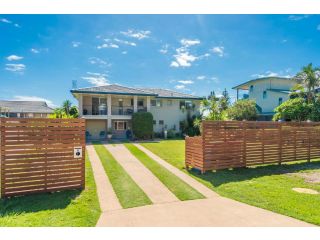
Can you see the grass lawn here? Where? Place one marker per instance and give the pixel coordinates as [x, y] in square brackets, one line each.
[128, 192]
[178, 187]
[268, 187]
[67, 208]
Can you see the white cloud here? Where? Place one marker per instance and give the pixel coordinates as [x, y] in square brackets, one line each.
[125, 42]
[180, 87]
[108, 45]
[189, 42]
[183, 58]
[19, 68]
[202, 77]
[272, 74]
[75, 44]
[34, 98]
[124, 52]
[33, 50]
[97, 79]
[4, 20]
[164, 49]
[298, 17]
[218, 50]
[14, 58]
[99, 62]
[139, 34]
[318, 27]
[174, 64]
[186, 82]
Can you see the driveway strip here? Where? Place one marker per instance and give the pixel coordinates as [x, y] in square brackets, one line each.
[208, 193]
[107, 198]
[156, 191]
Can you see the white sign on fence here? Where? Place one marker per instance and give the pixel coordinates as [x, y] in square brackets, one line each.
[77, 152]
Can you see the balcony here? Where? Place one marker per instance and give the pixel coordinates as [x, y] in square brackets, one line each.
[126, 110]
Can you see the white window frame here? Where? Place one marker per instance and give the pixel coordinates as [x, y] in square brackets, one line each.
[124, 125]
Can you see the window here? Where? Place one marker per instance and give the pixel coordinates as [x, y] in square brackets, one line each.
[156, 103]
[140, 103]
[169, 102]
[131, 102]
[280, 100]
[161, 122]
[154, 122]
[264, 95]
[120, 125]
[251, 88]
[186, 105]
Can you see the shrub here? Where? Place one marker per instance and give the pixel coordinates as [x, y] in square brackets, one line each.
[295, 109]
[170, 134]
[142, 125]
[243, 110]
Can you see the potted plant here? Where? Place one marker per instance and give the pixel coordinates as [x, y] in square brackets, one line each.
[109, 133]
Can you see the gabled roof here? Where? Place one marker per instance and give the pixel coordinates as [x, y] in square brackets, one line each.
[121, 90]
[246, 85]
[26, 106]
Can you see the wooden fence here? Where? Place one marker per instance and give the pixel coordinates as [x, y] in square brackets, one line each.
[37, 155]
[231, 144]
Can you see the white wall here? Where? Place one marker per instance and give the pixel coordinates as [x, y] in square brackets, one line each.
[271, 101]
[171, 115]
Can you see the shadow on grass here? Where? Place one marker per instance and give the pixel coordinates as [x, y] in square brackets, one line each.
[220, 177]
[37, 202]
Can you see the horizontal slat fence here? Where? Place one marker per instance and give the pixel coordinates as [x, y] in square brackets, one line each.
[37, 155]
[232, 144]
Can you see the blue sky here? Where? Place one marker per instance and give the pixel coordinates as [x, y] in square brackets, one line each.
[40, 55]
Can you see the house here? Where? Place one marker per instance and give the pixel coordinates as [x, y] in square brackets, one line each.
[111, 107]
[24, 109]
[268, 92]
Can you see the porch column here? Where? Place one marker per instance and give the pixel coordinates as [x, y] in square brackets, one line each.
[135, 103]
[80, 107]
[109, 105]
[237, 94]
[148, 104]
[109, 112]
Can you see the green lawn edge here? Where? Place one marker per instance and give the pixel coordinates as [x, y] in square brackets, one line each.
[127, 190]
[178, 187]
[265, 187]
[70, 208]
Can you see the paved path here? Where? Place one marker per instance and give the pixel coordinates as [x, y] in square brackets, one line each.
[150, 184]
[167, 210]
[191, 181]
[213, 212]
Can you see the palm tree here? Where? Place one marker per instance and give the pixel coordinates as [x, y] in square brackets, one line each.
[309, 77]
[66, 105]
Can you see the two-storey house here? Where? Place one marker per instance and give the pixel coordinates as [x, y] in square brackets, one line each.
[111, 107]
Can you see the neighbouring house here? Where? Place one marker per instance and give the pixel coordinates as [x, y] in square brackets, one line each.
[268, 92]
[24, 109]
[111, 107]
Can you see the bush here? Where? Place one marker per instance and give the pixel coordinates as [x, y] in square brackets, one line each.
[170, 134]
[142, 125]
[296, 109]
[243, 110]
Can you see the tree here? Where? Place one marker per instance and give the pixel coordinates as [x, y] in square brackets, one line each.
[243, 110]
[294, 109]
[66, 105]
[309, 77]
[211, 110]
[74, 112]
[224, 101]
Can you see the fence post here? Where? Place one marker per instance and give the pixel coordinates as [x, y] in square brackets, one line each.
[280, 142]
[244, 155]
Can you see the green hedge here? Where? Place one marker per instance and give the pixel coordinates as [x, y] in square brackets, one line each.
[142, 125]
